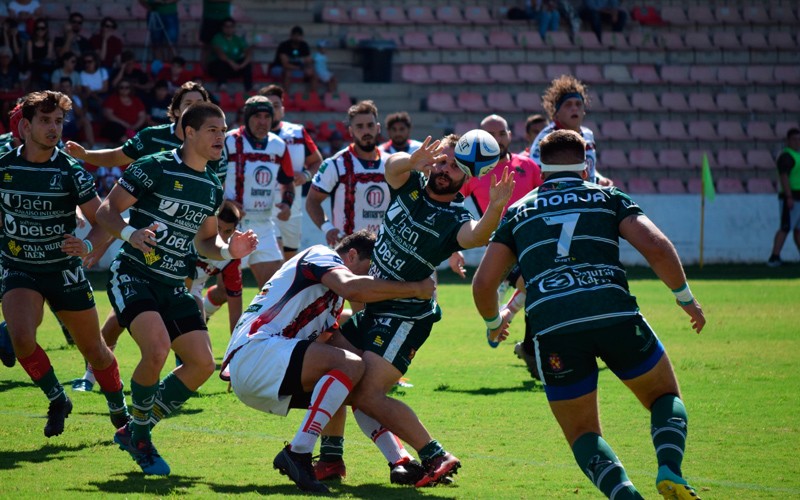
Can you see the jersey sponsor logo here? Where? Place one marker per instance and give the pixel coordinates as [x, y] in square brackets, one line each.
[7, 177]
[177, 186]
[151, 257]
[169, 207]
[182, 213]
[263, 175]
[171, 264]
[388, 257]
[140, 175]
[593, 277]
[73, 276]
[127, 185]
[14, 247]
[374, 196]
[55, 182]
[18, 201]
[555, 283]
[253, 308]
[33, 229]
[555, 200]
[83, 178]
[378, 341]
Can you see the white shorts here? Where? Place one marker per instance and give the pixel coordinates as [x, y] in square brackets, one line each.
[257, 371]
[268, 249]
[197, 288]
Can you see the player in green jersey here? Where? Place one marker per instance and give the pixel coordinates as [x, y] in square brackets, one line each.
[565, 237]
[172, 197]
[41, 188]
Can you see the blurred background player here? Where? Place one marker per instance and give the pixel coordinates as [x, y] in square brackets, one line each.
[533, 125]
[398, 125]
[789, 195]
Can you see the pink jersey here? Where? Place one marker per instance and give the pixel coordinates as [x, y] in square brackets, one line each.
[527, 176]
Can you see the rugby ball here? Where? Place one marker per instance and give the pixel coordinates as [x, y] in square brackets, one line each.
[477, 152]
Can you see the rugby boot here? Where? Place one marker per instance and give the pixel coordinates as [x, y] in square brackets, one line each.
[673, 487]
[58, 412]
[437, 469]
[143, 453]
[299, 469]
[330, 471]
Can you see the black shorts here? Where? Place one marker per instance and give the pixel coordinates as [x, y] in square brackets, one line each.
[292, 384]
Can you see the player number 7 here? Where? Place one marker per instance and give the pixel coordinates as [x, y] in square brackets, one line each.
[568, 223]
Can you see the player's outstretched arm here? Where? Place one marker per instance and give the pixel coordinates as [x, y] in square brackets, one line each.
[494, 267]
[399, 165]
[358, 288]
[646, 238]
[208, 245]
[101, 157]
[476, 234]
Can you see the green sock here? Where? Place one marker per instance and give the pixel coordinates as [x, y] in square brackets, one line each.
[331, 448]
[116, 402]
[142, 398]
[668, 428]
[50, 386]
[171, 395]
[431, 450]
[598, 461]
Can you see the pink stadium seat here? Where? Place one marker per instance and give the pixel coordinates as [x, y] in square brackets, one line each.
[645, 101]
[338, 101]
[364, 15]
[645, 73]
[698, 41]
[559, 40]
[111, 10]
[672, 159]
[88, 9]
[729, 185]
[445, 40]
[553, 71]
[670, 186]
[761, 131]
[617, 101]
[331, 14]
[587, 40]
[788, 74]
[675, 101]
[701, 14]
[755, 14]
[138, 11]
[731, 130]
[760, 74]
[782, 14]
[589, 73]
[641, 185]
[450, 14]
[696, 159]
[703, 74]
[478, 14]
[615, 129]
[731, 103]
[675, 15]
[755, 40]
[694, 186]
[474, 73]
[393, 15]
[672, 41]
[518, 130]
[136, 36]
[58, 11]
[731, 75]
[732, 159]
[760, 185]
[442, 102]
[702, 130]
[416, 40]
[674, 130]
[421, 14]
[501, 101]
[444, 73]
[530, 40]
[728, 15]
[760, 159]
[675, 74]
[787, 101]
[504, 73]
[781, 128]
[613, 159]
[472, 102]
[193, 11]
[462, 127]
[502, 40]
[761, 102]
[415, 73]
[644, 130]
[643, 158]
[531, 73]
[354, 38]
[529, 101]
[643, 40]
[727, 40]
[616, 40]
[617, 73]
[702, 102]
[264, 40]
[473, 40]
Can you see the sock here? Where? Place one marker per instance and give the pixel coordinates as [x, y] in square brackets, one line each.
[89, 374]
[329, 394]
[331, 448]
[668, 428]
[516, 303]
[111, 386]
[598, 461]
[208, 305]
[431, 450]
[391, 447]
[142, 398]
[171, 395]
[39, 369]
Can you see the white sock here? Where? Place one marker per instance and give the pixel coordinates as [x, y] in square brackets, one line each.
[89, 375]
[391, 447]
[516, 303]
[329, 394]
[209, 307]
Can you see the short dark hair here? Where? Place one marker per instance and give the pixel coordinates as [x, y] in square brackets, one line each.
[273, 89]
[533, 120]
[562, 147]
[362, 108]
[178, 60]
[296, 30]
[363, 241]
[229, 212]
[45, 101]
[175, 105]
[66, 56]
[792, 131]
[399, 117]
[197, 114]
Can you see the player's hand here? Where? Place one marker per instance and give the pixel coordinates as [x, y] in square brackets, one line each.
[97, 253]
[334, 236]
[428, 154]
[427, 288]
[501, 190]
[604, 181]
[457, 262]
[500, 333]
[75, 150]
[284, 211]
[242, 244]
[144, 239]
[695, 312]
[72, 245]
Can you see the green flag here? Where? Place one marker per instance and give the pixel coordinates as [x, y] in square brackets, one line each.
[708, 182]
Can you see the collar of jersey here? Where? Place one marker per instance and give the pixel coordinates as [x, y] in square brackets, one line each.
[52, 157]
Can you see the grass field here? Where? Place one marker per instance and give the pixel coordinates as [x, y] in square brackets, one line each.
[740, 380]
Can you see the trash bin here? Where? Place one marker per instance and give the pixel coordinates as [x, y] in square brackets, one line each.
[376, 60]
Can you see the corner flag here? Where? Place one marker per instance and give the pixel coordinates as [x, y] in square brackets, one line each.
[707, 180]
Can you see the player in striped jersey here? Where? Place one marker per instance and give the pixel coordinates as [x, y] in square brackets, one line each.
[306, 160]
[398, 125]
[565, 238]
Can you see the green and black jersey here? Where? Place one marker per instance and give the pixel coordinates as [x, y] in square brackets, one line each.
[168, 192]
[565, 235]
[38, 205]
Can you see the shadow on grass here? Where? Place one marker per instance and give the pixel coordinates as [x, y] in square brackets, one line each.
[7, 385]
[135, 482]
[13, 459]
[527, 386]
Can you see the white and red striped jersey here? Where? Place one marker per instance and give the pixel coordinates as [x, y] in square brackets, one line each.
[231, 274]
[358, 188]
[253, 172]
[293, 303]
[410, 146]
[591, 149]
[299, 142]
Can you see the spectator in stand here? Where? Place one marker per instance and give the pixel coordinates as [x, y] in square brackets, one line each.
[544, 12]
[293, 60]
[130, 70]
[175, 74]
[789, 195]
[41, 55]
[533, 125]
[75, 121]
[595, 12]
[321, 66]
[73, 39]
[124, 113]
[107, 44]
[215, 12]
[162, 22]
[399, 127]
[24, 12]
[157, 104]
[233, 56]
[68, 63]
[94, 84]
[14, 40]
[10, 84]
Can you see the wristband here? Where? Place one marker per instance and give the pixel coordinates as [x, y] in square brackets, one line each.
[493, 323]
[684, 295]
[288, 197]
[126, 233]
[89, 246]
[308, 175]
[225, 252]
[327, 226]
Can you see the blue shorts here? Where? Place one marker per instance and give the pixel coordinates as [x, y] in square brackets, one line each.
[159, 36]
[277, 72]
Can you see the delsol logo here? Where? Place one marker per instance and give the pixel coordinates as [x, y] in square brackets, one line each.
[263, 176]
[374, 196]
